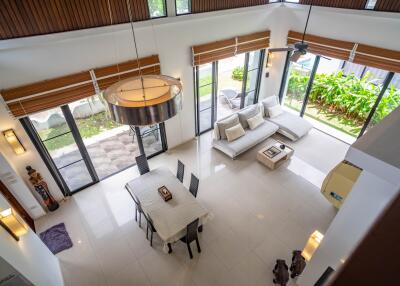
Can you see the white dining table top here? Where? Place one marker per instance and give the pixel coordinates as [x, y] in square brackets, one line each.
[169, 218]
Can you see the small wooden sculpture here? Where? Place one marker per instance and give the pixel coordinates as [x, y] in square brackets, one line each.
[298, 264]
[281, 273]
[41, 187]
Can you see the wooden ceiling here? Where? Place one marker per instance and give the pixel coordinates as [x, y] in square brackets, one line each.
[199, 6]
[354, 4]
[388, 5]
[22, 18]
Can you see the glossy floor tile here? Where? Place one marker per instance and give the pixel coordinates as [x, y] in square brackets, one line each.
[259, 215]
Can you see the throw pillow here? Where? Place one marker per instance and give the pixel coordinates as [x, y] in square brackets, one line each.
[274, 111]
[247, 113]
[255, 121]
[227, 123]
[269, 102]
[234, 132]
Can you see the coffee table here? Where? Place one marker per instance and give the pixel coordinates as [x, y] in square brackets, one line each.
[278, 159]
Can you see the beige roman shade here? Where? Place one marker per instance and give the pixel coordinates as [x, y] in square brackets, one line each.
[210, 52]
[354, 52]
[35, 97]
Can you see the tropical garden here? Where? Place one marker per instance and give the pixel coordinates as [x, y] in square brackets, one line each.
[343, 102]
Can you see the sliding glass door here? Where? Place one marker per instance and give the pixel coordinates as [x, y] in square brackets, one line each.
[340, 98]
[57, 141]
[81, 145]
[225, 86]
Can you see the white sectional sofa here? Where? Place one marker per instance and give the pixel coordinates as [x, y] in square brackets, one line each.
[290, 125]
[287, 124]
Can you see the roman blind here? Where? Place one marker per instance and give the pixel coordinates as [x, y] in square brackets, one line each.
[354, 52]
[35, 97]
[323, 46]
[210, 52]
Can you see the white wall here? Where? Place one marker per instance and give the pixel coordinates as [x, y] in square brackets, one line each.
[377, 154]
[37, 58]
[368, 198]
[30, 256]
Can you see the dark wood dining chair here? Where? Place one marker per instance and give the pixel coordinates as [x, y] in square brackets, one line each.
[143, 165]
[191, 235]
[194, 185]
[150, 227]
[180, 171]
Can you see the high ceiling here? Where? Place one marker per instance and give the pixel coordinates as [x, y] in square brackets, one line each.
[23, 18]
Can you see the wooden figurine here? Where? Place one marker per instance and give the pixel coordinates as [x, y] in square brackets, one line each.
[281, 273]
[298, 264]
[41, 187]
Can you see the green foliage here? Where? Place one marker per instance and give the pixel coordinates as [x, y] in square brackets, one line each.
[237, 73]
[205, 86]
[156, 8]
[346, 95]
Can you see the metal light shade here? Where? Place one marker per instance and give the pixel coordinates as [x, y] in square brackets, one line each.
[144, 100]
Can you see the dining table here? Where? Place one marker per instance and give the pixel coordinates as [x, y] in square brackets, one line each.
[171, 217]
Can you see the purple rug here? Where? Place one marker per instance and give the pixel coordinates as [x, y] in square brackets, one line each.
[56, 238]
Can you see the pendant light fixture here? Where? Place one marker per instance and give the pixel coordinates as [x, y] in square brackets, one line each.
[144, 99]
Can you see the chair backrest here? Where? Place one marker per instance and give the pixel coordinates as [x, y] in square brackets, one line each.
[149, 220]
[143, 165]
[180, 171]
[194, 185]
[191, 230]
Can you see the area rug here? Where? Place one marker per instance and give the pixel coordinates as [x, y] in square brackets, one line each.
[56, 238]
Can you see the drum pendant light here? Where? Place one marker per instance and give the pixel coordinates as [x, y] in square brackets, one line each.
[144, 99]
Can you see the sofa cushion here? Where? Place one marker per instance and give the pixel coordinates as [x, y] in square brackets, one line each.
[247, 113]
[226, 123]
[255, 121]
[292, 125]
[269, 102]
[234, 132]
[249, 140]
[274, 111]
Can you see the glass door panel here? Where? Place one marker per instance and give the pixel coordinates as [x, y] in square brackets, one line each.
[151, 139]
[58, 140]
[389, 102]
[299, 75]
[341, 103]
[205, 88]
[112, 147]
[230, 85]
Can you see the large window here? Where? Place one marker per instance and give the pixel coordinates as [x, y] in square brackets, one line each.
[82, 145]
[225, 86]
[157, 8]
[341, 98]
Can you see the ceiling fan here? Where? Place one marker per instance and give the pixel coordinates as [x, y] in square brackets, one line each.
[299, 48]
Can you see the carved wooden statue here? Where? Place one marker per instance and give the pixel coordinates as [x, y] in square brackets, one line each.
[41, 187]
[281, 273]
[298, 264]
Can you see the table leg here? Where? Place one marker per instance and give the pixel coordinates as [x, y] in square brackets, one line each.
[169, 248]
[200, 228]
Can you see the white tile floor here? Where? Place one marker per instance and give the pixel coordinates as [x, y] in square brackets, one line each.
[260, 215]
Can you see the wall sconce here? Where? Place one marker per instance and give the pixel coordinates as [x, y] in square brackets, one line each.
[10, 221]
[14, 142]
[312, 244]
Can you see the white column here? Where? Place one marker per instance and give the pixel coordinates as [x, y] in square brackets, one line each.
[170, 8]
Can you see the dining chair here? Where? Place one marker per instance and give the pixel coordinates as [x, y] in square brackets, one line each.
[142, 164]
[191, 235]
[138, 209]
[150, 226]
[194, 185]
[180, 171]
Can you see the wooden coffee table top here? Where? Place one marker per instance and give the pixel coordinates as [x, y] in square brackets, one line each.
[284, 154]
